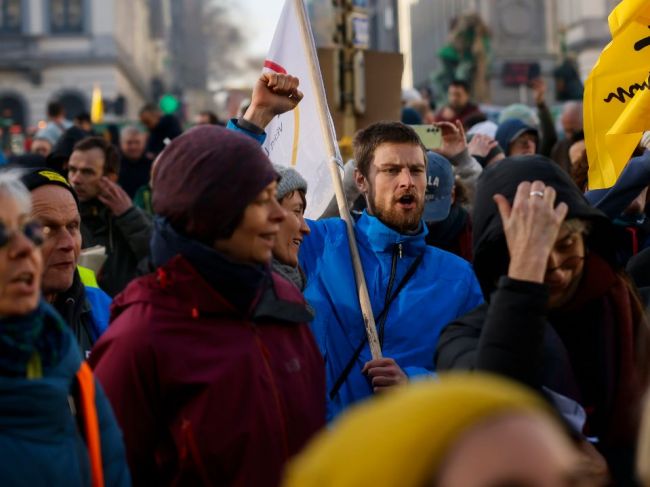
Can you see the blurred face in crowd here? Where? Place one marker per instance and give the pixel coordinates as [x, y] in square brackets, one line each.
[457, 97]
[132, 145]
[565, 266]
[571, 119]
[292, 230]
[85, 170]
[253, 240]
[150, 119]
[41, 147]
[55, 208]
[395, 185]
[21, 265]
[531, 452]
[525, 144]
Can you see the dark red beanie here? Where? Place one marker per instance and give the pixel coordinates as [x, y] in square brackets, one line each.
[205, 179]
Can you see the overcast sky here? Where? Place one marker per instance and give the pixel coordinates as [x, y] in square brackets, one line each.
[260, 16]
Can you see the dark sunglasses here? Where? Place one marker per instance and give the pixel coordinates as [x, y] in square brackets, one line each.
[33, 230]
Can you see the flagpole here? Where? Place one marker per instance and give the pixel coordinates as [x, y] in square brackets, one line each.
[327, 133]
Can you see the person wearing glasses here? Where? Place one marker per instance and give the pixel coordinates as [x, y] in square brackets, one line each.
[560, 315]
[56, 425]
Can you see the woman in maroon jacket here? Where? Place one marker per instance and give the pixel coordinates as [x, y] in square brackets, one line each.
[209, 364]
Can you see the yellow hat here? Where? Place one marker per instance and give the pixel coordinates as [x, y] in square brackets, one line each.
[402, 437]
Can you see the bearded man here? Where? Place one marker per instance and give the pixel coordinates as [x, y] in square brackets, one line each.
[415, 289]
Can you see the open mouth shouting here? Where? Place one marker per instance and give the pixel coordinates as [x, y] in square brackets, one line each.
[407, 202]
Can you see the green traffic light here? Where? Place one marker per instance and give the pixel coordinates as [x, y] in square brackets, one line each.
[169, 103]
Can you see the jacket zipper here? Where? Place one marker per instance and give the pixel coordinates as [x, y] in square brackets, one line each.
[397, 254]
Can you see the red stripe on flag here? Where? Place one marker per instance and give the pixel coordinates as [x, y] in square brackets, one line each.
[274, 67]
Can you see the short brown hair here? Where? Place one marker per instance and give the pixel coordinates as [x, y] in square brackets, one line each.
[111, 155]
[368, 139]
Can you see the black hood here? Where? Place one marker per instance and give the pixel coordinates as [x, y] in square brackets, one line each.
[490, 250]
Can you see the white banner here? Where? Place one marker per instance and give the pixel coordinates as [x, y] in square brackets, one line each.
[303, 138]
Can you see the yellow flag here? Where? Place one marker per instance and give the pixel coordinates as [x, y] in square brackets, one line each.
[617, 94]
[97, 106]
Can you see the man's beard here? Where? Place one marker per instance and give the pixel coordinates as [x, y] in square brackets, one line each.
[393, 217]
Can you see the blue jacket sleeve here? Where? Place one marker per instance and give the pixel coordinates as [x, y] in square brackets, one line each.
[116, 470]
[313, 246]
[232, 125]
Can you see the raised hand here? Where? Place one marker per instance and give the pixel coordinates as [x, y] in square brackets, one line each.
[273, 94]
[481, 145]
[531, 226]
[114, 197]
[453, 138]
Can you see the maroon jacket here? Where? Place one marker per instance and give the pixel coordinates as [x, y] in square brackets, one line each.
[204, 395]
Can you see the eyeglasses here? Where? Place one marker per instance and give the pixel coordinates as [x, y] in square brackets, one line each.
[568, 263]
[33, 230]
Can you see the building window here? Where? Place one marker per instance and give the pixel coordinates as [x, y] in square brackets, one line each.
[10, 16]
[66, 16]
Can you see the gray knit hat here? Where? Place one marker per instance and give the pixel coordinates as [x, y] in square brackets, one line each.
[290, 180]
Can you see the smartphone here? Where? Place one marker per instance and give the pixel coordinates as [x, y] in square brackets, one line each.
[430, 135]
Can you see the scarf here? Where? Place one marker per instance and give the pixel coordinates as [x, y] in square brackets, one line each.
[293, 274]
[240, 284]
[614, 328]
[31, 343]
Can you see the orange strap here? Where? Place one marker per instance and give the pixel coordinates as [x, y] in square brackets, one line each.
[91, 423]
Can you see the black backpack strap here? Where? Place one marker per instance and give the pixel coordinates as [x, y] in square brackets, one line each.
[381, 320]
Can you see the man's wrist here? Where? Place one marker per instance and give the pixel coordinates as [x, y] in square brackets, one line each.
[259, 118]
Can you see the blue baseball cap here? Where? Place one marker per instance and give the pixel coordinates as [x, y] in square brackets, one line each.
[440, 183]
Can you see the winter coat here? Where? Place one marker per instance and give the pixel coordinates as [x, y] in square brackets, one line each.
[207, 394]
[85, 308]
[40, 438]
[442, 288]
[134, 174]
[167, 128]
[126, 239]
[583, 351]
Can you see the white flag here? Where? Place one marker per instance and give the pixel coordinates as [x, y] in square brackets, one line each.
[304, 138]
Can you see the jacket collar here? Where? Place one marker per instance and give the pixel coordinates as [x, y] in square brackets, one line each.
[374, 234]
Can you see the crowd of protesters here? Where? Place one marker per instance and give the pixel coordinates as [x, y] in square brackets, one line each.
[169, 317]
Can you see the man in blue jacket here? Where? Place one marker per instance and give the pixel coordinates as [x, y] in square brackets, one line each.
[415, 289]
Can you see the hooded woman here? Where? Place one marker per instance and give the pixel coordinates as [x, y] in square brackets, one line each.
[442, 434]
[56, 425]
[209, 363]
[559, 316]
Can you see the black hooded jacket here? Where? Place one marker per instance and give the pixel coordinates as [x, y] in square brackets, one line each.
[513, 333]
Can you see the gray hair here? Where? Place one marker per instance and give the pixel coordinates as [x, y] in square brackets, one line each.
[130, 130]
[11, 186]
[577, 225]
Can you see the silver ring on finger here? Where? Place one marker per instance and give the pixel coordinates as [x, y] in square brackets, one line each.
[537, 193]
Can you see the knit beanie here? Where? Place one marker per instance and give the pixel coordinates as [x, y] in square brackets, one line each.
[403, 438]
[36, 177]
[290, 180]
[205, 179]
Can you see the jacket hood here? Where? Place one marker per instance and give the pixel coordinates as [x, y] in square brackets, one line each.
[509, 130]
[490, 250]
[381, 238]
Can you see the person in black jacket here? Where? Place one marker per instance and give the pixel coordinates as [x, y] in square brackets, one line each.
[161, 127]
[108, 216]
[560, 317]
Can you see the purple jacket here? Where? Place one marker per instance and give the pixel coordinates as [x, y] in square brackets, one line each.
[205, 395]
